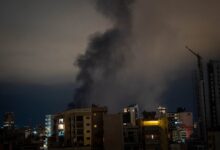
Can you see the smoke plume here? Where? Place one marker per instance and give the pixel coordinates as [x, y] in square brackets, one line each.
[105, 54]
[138, 59]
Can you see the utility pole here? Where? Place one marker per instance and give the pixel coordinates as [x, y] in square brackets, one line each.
[201, 103]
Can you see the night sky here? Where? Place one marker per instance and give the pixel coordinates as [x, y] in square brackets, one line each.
[41, 41]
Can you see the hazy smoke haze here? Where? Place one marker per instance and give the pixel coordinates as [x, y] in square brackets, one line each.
[124, 51]
[138, 64]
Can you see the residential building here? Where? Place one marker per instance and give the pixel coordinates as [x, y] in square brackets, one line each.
[130, 115]
[132, 137]
[155, 134]
[80, 127]
[180, 126]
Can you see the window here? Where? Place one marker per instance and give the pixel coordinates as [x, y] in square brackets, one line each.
[61, 120]
[61, 133]
[80, 131]
[88, 138]
[61, 127]
[87, 131]
[80, 140]
[74, 131]
[79, 125]
[79, 118]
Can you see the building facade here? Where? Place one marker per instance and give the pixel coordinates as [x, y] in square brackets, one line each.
[9, 120]
[214, 93]
[130, 115]
[81, 127]
[214, 104]
[180, 126]
[113, 132]
[155, 134]
[48, 129]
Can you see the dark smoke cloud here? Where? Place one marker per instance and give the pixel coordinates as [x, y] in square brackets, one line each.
[119, 11]
[105, 54]
[148, 54]
[100, 61]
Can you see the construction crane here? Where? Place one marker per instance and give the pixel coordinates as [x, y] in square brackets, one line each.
[199, 61]
[201, 99]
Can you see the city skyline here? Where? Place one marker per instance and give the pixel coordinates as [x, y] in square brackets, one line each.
[41, 41]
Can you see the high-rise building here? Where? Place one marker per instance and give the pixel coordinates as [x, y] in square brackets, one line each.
[213, 140]
[9, 120]
[155, 134]
[161, 112]
[180, 126]
[130, 115]
[121, 130]
[49, 123]
[131, 130]
[214, 93]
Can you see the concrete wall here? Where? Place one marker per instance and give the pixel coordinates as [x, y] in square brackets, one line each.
[113, 132]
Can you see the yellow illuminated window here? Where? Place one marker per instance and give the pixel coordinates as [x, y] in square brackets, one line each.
[151, 123]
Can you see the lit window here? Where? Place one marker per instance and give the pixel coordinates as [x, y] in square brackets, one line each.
[60, 126]
[61, 120]
[95, 125]
[61, 133]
